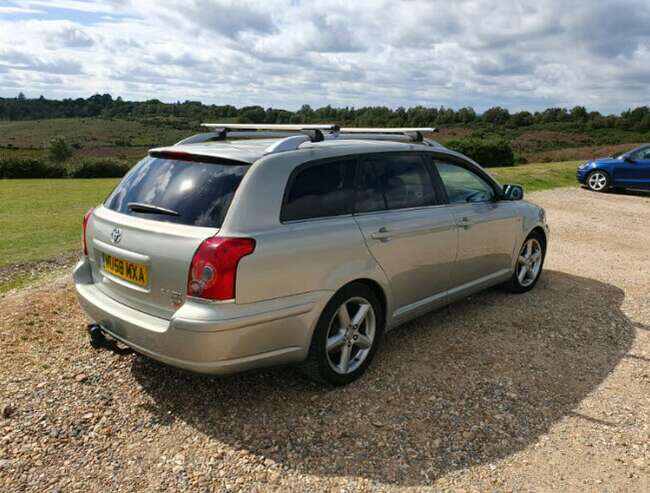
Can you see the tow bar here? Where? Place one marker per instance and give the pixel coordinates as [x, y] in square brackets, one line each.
[99, 340]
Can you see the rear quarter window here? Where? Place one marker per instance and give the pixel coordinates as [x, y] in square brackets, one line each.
[199, 192]
[320, 190]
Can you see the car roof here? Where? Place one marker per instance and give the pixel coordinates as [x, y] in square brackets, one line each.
[250, 150]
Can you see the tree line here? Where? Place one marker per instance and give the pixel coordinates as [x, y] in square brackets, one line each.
[105, 106]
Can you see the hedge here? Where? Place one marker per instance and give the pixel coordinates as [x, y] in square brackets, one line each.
[85, 168]
[105, 168]
[486, 152]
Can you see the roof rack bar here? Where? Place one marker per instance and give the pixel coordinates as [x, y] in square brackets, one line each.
[310, 132]
[416, 134]
[394, 130]
[271, 126]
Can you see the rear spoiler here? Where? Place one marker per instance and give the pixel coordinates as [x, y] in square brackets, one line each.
[197, 158]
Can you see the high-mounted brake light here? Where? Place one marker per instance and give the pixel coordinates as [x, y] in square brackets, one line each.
[178, 155]
[84, 243]
[213, 273]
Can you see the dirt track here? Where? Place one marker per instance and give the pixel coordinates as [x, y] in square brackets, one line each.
[539, 392]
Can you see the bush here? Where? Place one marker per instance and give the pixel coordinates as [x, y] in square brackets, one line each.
[35, 168]
[100, 168]
[58, 150]
[29, 168]
[486, 152]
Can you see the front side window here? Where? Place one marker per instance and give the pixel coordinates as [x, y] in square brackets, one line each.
[462, 185]
[393, 182]
[320, 190]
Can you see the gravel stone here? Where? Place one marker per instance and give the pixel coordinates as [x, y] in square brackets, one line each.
[6, 410]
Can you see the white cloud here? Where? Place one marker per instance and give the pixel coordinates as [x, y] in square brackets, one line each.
[522, 54]
[80, 6]
[71, 37]
[19, 10]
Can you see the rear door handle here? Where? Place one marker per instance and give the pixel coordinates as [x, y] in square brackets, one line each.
[381, 234]
[464, 222]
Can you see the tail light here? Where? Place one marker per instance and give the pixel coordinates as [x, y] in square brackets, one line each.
[84, 243]
[213, 272]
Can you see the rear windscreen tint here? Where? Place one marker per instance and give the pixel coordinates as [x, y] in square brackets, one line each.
[199, 192]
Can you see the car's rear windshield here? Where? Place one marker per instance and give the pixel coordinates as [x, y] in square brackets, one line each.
[184, 192]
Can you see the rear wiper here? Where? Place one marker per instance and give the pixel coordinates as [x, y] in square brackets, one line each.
[154, 209]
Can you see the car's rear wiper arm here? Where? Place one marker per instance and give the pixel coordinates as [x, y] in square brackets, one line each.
[154, 209]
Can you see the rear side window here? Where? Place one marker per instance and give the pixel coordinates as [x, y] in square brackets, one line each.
[641, 154]
[320, 190]
[183, 192]
[393, 182]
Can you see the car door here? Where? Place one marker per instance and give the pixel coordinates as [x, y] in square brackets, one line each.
[488, 228]
[635, 171]
[406, 228]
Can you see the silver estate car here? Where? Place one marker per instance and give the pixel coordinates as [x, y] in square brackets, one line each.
[221, 254]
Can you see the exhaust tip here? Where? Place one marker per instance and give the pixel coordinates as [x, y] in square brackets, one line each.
[96, 334]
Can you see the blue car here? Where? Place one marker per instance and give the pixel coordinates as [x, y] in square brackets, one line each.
[628, 170]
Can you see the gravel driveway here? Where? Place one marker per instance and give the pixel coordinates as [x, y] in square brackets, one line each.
[544, 391]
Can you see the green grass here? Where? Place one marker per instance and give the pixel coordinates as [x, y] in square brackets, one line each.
[536, 177]
[40, 219]
[16, 282]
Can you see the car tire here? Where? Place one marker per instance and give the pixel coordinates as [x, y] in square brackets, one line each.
[352, 339]
[598, 181]
[529, 264]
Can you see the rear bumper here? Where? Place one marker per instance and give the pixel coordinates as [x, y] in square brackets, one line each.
[208, 337]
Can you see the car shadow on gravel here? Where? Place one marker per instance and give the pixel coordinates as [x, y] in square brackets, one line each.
[470, 384]
[632, 192]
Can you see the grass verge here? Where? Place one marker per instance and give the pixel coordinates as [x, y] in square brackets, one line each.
[40, 219]
[536, 177]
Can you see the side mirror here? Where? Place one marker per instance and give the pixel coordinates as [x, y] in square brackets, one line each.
[513, 192]
[628, 158]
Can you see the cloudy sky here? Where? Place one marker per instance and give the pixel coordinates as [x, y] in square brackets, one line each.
[515, 53]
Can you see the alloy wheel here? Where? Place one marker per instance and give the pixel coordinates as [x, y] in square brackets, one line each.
[529, 263]
[597, 181]
[351, 335]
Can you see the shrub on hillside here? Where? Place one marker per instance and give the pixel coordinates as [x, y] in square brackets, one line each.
[58, 150]
[486, 152]
[98, 168]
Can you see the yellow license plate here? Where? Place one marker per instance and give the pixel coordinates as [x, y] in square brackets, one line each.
[132, 272]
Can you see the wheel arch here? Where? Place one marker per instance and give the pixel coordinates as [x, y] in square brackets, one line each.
[542, 233]
[378, 290]
[601, 169]
[374, 285]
